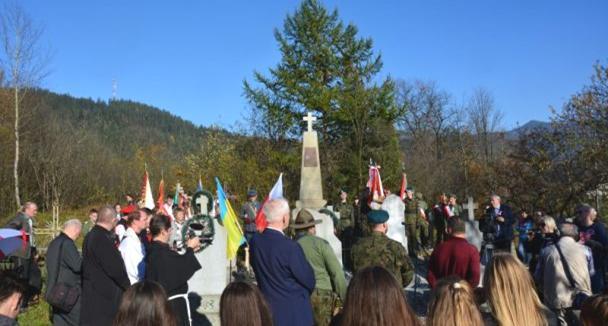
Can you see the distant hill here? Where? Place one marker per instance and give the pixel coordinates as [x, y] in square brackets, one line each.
[528, 127]
[125, 125]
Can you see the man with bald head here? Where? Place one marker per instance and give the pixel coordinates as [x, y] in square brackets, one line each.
[283, 274]
[104, 277]
[64, 265]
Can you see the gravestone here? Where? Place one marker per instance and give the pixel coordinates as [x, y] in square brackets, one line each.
[210, 281]
[311, 190]
[395, 208]
[473, 234]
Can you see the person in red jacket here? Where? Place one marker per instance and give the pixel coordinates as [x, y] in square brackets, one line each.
[455, 256]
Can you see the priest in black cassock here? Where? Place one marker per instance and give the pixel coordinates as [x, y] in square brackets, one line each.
[170, 269]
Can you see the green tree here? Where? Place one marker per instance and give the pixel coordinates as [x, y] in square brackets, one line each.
[326, 68]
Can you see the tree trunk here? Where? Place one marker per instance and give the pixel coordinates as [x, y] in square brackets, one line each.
[16, 162]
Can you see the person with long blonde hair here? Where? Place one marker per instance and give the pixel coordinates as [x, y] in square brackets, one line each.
[511, 295]
[453, 304]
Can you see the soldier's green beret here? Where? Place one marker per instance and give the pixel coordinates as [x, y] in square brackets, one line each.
[377, 216]
[342, 190]
[252, 192]
[410, 188]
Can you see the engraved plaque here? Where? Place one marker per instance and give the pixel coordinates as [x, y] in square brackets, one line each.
[310, 157]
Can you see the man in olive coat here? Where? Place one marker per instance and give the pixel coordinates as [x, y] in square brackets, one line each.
[330, 282]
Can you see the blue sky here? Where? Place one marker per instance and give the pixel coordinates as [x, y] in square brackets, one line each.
[190, 57]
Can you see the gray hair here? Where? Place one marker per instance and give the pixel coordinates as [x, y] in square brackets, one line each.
[72, 223]
[275, 209]
[495, 196]
[27, 205]
[568, 230]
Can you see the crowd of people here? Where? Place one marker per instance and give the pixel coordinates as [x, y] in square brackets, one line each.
[135, 263]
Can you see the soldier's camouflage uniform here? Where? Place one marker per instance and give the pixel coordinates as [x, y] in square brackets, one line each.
[346, 231]
[379, 250]
[415, 226]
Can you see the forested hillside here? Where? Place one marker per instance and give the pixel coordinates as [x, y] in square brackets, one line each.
[78, 151]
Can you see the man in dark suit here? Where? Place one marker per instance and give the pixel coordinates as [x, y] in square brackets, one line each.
[281, 269]
[497, 224]
[64, 265]
[104, 274]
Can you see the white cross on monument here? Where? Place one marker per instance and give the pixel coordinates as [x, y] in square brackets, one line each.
[310, 119]
[202, 202]
[471, 206]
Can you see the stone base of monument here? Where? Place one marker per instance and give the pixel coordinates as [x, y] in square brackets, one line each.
[310, 203]
[207, 284]
[325, 230]
[473, 234]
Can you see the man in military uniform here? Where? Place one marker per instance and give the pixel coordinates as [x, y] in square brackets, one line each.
[441, 214]
[25, 259]
[415, 223]
[424, 221]
[379, 250]
[345, 230]
[248, 213]
[329, 277]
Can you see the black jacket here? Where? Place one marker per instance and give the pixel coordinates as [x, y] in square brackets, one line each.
[104, 278]
[64, 265]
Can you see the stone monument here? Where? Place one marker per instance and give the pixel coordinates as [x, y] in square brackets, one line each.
[311, 188]
[208, 283]
[473, 234]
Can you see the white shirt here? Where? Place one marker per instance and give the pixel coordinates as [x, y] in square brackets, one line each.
[120, 231]
[169, 210]
[133, 253]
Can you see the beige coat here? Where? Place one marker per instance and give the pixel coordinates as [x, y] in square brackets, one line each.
[550, 274]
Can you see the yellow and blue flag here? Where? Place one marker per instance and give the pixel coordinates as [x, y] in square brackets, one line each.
[230, 222]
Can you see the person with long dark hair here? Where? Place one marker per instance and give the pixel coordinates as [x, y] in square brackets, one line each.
[243, 304]
[170, 269]
[145, 304]
[375, 298]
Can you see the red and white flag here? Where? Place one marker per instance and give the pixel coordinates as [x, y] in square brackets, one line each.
[403, 186]
[374, 183]
[275, 193]
[160, 202]
[146, 192]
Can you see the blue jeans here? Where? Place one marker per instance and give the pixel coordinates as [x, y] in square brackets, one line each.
[522, 254]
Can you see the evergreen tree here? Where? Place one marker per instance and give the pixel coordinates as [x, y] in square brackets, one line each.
[326, 68]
